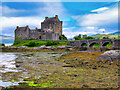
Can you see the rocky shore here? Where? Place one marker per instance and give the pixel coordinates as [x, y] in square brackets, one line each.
[36, 49]
[78, 69]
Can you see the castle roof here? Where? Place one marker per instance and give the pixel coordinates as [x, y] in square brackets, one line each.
[22, 28]
[52, 19]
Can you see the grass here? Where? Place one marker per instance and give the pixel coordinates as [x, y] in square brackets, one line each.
[37, 43]
[100, 36]
[98, 45]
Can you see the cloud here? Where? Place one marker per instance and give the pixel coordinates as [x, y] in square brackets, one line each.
[108, 17]
[52, 9]
[8, 11]
[100, 9]
[73, 31]
[12, 22]
[90, 28]
[102, 29]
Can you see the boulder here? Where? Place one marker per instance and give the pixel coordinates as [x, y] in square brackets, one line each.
[23, 47]
[42, 47]
[109, 55]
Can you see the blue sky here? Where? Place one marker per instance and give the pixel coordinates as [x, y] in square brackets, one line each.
[78, 17]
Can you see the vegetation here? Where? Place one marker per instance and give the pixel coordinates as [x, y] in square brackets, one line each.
[105, 38]
[18, 40]
[101, 36]
[2, 44]
[85, 37]
[36, 43]
[62, 37]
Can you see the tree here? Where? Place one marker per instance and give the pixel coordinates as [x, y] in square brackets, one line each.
[84, 36]
[105, 37]
[89, 37]
[78, 37]
[18, 40]
[62, 37]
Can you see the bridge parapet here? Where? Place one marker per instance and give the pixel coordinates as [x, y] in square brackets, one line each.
[103, 43]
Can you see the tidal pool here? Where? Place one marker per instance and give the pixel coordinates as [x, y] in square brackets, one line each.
[14, 67]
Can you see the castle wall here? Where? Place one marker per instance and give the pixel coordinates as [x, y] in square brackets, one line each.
[34, 34]
[22, 33]
[51, 28]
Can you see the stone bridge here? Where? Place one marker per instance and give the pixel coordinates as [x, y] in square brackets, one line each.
[102, 42]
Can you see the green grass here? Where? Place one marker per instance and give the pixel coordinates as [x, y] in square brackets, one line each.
[98, 45]
[100, 36]
[37, 43]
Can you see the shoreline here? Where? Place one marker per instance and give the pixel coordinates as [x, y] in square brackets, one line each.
[51, 49]
[69, 70]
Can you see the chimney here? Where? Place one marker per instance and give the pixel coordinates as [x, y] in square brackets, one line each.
[17, 27]
[61, 22]
[46, 17]
[27, 26]
[56, 16]
[36, 28]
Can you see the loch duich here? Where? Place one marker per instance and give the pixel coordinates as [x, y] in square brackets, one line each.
[59, 45]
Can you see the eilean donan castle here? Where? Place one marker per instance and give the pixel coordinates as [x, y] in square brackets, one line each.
[51, 28]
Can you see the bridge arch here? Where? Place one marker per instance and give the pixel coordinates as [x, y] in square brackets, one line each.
[84, 45]
[106, 43]
[93, 43]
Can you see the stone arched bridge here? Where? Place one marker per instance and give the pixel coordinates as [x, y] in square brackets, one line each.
[102, 42]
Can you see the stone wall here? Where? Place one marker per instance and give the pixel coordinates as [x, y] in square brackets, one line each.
[22, 33]
[103, 43]
[51, 28]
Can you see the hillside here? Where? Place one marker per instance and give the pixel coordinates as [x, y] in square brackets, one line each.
[100, 36]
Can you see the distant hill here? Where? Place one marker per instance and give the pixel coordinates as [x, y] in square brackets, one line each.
[6, 39]
[100, 36]
[115, 33]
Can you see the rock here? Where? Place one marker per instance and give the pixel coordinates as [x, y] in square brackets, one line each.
[85, 86]
[67, 66]
[23, 47]
[42, 47]
[70, 49]
[110, 55]
[75, 75]
[48, 47]
[112, 52]
[62, 47]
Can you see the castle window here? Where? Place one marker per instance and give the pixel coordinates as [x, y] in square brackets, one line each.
[39, 37]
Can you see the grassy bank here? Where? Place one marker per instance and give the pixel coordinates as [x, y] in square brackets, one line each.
[37, 43]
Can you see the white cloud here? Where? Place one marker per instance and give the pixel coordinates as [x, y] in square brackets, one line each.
[102, 30]
[73, 31]
[107, 17]
[100, 9]
[90, 27]
[8, 22]
[6, 10]
[52, 9]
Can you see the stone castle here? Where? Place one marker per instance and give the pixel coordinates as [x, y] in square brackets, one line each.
[51, 28]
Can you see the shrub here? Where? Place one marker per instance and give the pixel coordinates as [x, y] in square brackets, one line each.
[31, 44]
[49, 43]
[62, 37]
[2, 44]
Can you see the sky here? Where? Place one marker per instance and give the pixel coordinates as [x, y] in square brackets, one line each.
[78, 17]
